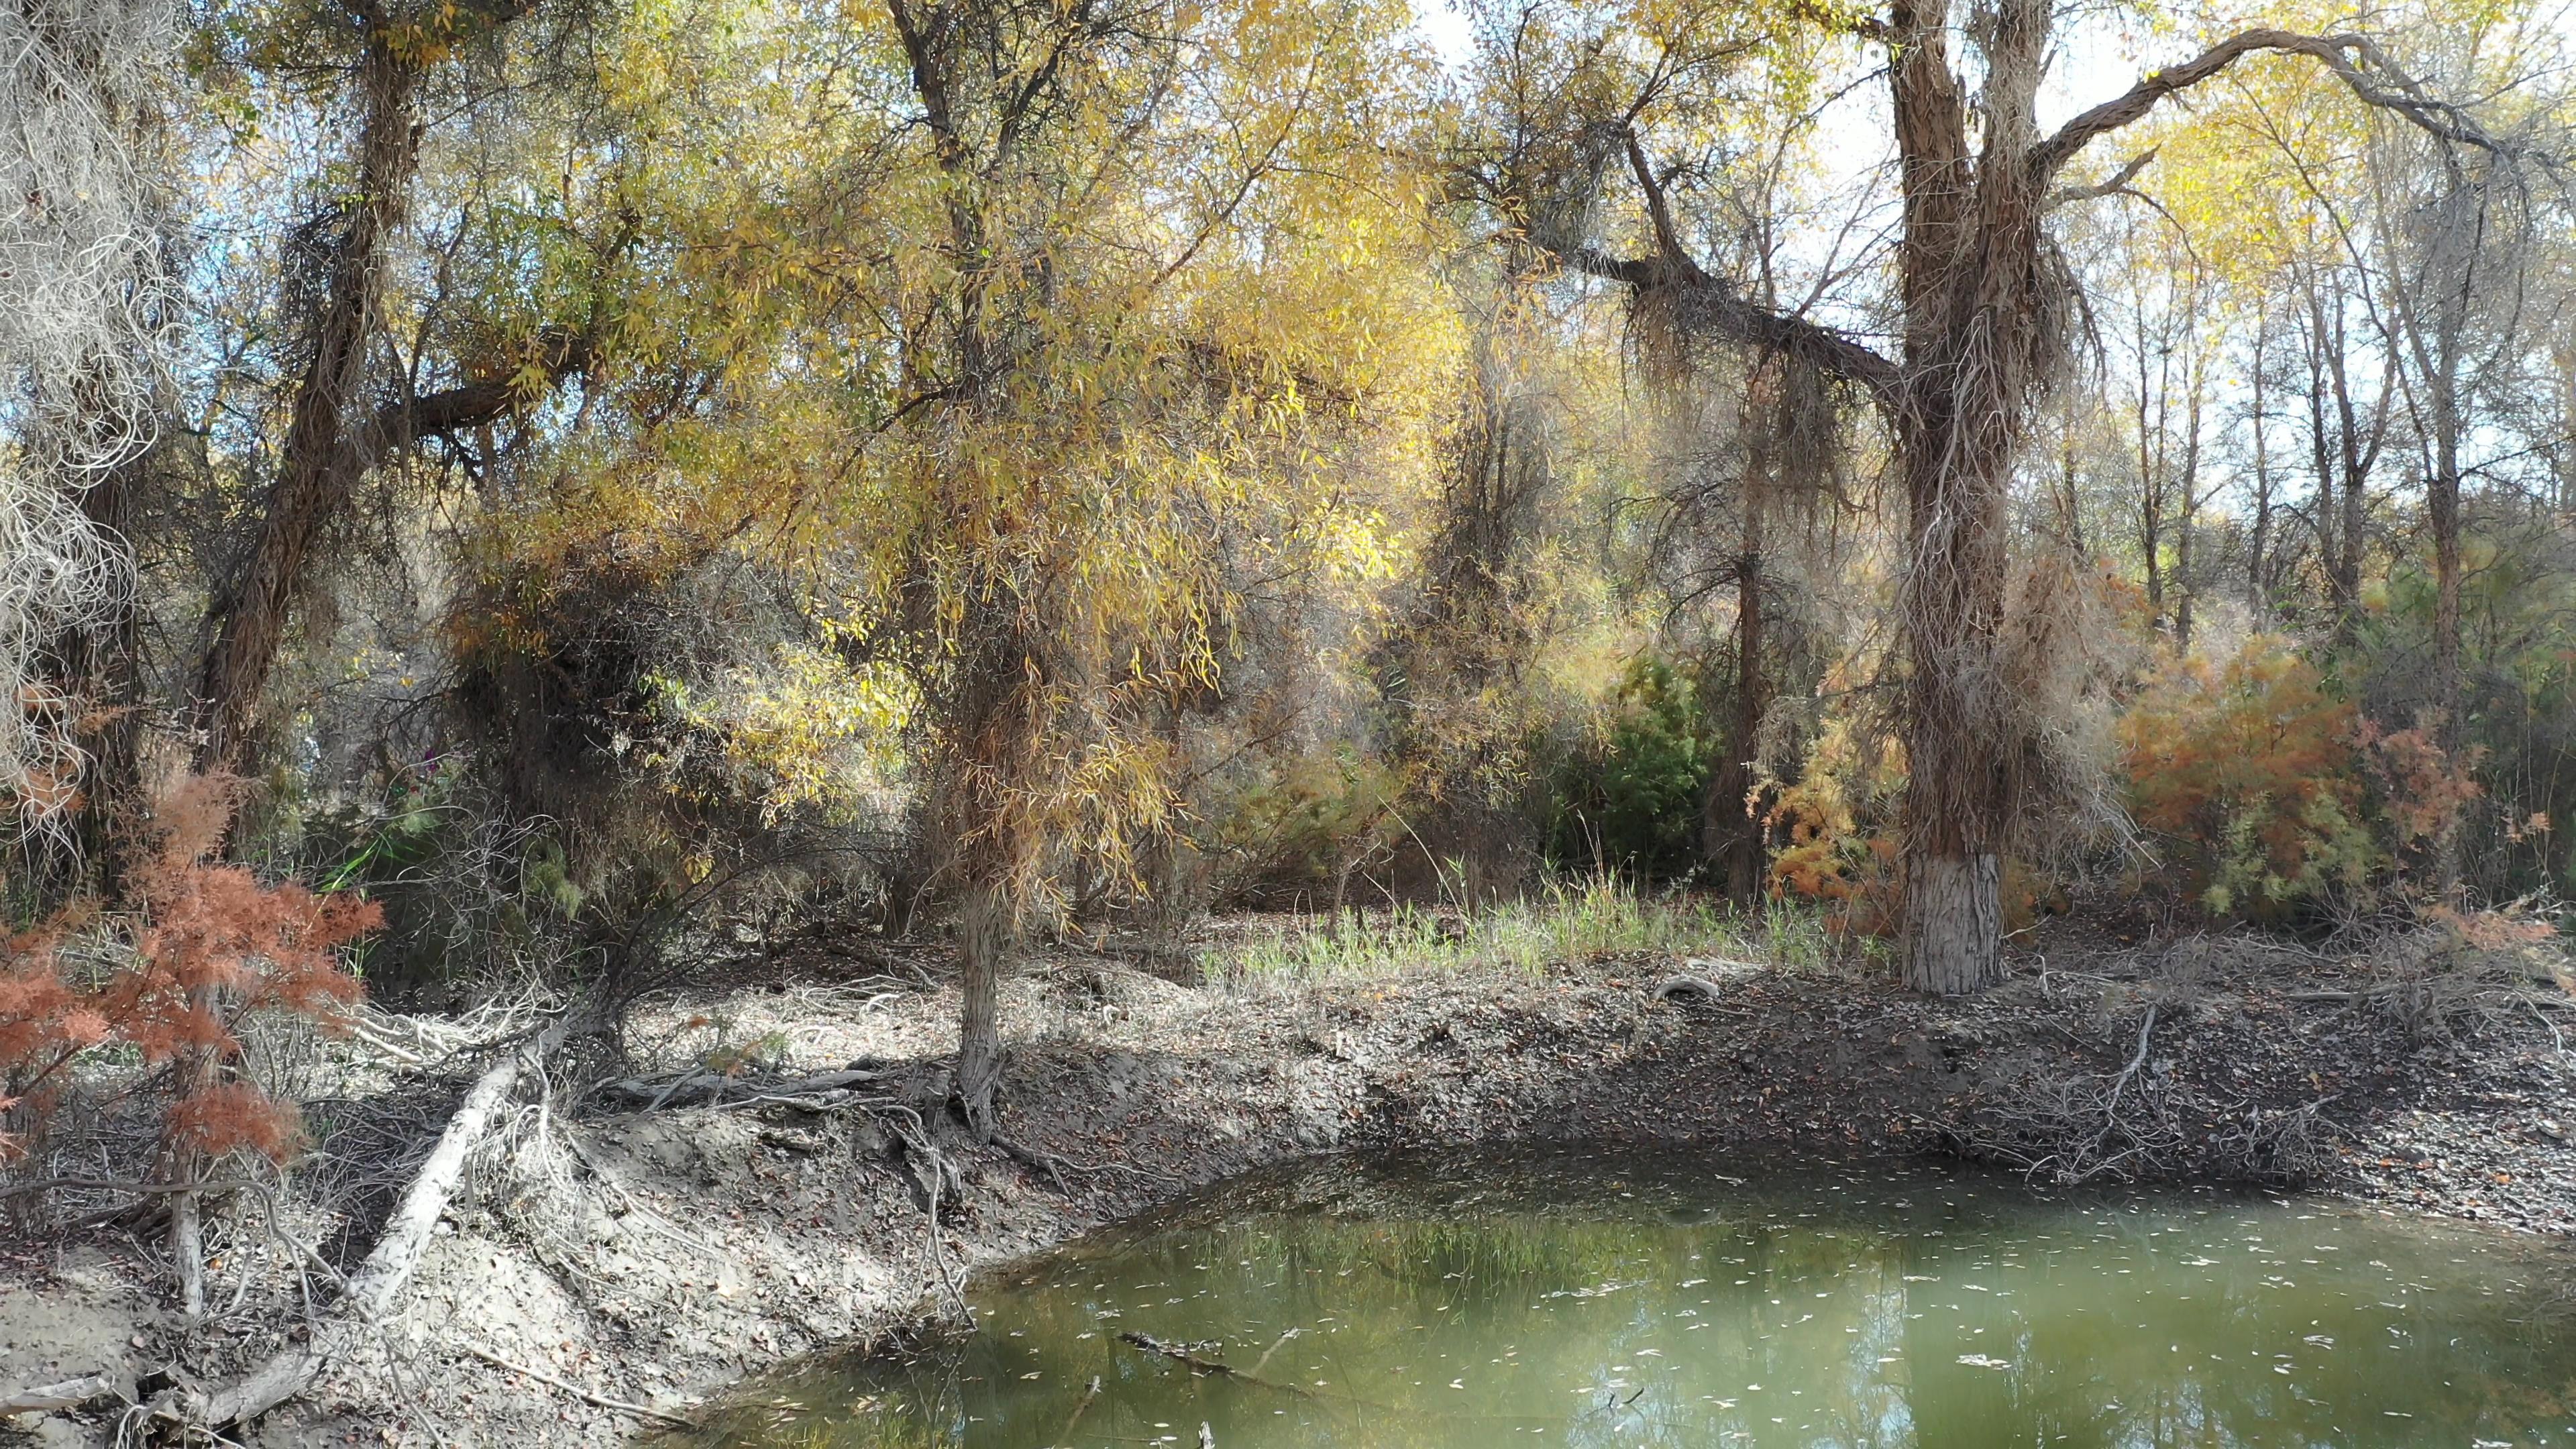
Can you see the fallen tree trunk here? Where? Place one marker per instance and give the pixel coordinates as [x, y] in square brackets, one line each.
[708, 1087]
[379, 1281]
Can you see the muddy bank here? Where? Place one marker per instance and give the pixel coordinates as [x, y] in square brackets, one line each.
[651, 1257]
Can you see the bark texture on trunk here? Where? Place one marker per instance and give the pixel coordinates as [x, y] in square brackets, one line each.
[1953, 920]
[984, 937]
[248, 618]
[1974, 304]
[1734, 832]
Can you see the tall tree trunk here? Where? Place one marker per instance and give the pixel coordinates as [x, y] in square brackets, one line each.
[103, 672]
[1970, 274]
[1734, 833]
[2258, 592]
[2183, 585]
[985, 937]
[249, 615]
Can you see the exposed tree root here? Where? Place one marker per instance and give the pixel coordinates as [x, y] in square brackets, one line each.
[716, 1089]
[54, 1398]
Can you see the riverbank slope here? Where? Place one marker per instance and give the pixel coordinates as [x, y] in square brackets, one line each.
[610, 1260]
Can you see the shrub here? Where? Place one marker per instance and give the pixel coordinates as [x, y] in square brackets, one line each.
[1834, 846]
[209, 946]
[2250, 775]
[1629, 798]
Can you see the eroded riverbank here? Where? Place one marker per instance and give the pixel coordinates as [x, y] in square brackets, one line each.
[653, 1257]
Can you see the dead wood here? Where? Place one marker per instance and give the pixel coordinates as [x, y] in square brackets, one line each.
[378, 1282]
[601, 1401]
[1198, 1364]
[716, 1088]
[53, 1398]
[1065, 1434]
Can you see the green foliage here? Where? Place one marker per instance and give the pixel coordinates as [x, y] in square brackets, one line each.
[458, 887]
[1629, 797]
[1300, 830]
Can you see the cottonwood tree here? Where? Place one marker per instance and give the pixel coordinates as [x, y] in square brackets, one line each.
[1982, 304]
[347, 412]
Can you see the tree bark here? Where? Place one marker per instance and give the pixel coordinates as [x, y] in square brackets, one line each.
[984, 937]
[248, 617]
[1969, 263]
[2258, 591]
[1734, 832]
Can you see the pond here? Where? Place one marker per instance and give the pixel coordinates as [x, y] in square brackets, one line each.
[1471, 1303]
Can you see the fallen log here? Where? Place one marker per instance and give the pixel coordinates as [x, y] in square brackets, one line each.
[699, 1088]
[380, 1279]
[1196, 1364]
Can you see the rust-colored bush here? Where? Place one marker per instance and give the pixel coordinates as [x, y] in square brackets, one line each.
[2248, 773]
[208, 946]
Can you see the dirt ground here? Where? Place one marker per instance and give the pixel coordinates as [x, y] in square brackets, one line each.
[655, 1257]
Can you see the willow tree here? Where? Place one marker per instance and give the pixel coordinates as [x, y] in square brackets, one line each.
[1164, 291]
[1982, 303]
[1015, 341]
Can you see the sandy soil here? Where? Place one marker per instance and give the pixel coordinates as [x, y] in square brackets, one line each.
[656, 1257]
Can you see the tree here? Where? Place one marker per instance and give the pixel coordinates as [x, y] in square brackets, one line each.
[80, 360]
[1981, 303]
[333, 437]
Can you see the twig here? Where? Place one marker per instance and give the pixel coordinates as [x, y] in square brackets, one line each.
[601, 1401]
[1262, 1362]
[1065, 1434]
[1178, 1354]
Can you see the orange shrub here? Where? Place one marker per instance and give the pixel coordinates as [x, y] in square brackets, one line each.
[2250, 775]
[211, 946]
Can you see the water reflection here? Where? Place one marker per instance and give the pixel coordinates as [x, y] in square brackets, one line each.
[1470, 1303]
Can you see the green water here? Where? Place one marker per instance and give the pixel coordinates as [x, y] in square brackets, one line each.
[1475, 1304]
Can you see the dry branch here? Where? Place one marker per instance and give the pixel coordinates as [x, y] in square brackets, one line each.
[1196, 1364]
[380, 1279]
[53, 1398]
[600, 1401]
[715, 1087]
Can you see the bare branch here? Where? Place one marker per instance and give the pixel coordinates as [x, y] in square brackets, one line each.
[2117, 184]
[2356, 59]
[1712, 305]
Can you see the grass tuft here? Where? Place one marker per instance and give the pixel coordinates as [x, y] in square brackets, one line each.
[1586, 918]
